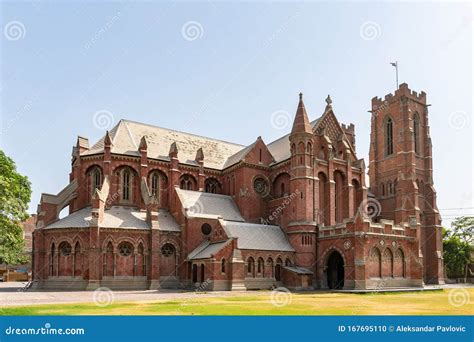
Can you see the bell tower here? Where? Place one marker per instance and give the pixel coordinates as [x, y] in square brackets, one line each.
[401, 172]
[301, 228]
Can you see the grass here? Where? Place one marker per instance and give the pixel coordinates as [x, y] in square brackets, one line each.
[412, 303]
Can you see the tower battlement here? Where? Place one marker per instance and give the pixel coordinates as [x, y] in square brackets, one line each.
[403, 90]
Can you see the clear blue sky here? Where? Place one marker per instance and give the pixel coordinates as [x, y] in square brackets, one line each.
[63, 62]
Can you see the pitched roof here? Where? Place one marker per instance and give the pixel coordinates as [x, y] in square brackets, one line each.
[218, 154]
[203, 204]
[166, 222]
[206, 249]
[126, 136]
[257, 236]
[116, 217]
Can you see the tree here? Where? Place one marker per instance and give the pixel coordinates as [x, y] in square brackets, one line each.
[15, 194]
[457, 245]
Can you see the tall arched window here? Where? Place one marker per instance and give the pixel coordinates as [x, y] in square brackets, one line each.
[251, 267]
[416, 132]
[51, 260]
[96, 179]
[155, 184]
[260, 265]
[126, 185]
[388, 136]
[223, 266]
[77, 267]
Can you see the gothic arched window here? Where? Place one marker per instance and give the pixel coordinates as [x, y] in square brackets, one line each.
[155, 184]
[388, 136]
[416, 132]
[212, 186]
[187, 182]
[96, 179]
[126, 184]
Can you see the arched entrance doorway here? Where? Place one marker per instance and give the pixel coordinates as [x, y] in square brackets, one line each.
[335, 271]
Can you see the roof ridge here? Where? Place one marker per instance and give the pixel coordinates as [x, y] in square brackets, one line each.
[130, 135]
[182, 132]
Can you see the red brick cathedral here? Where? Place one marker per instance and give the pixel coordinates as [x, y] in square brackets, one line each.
[154, 208]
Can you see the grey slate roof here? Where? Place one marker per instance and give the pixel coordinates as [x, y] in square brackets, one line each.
[207, 205]
[238, 156]
[116, 217]
[257, 236]
[126, 137]
[206, 249]
[218, 154]
[78, 219]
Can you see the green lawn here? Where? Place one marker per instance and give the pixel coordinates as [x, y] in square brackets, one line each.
[414, 303]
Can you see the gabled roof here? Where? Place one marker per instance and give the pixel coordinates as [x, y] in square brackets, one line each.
[207, 205]
[126, 136]
[257, 236]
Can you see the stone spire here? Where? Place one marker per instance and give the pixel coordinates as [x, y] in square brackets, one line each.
[301, 123]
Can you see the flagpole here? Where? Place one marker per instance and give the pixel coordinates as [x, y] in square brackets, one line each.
[396, 70]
